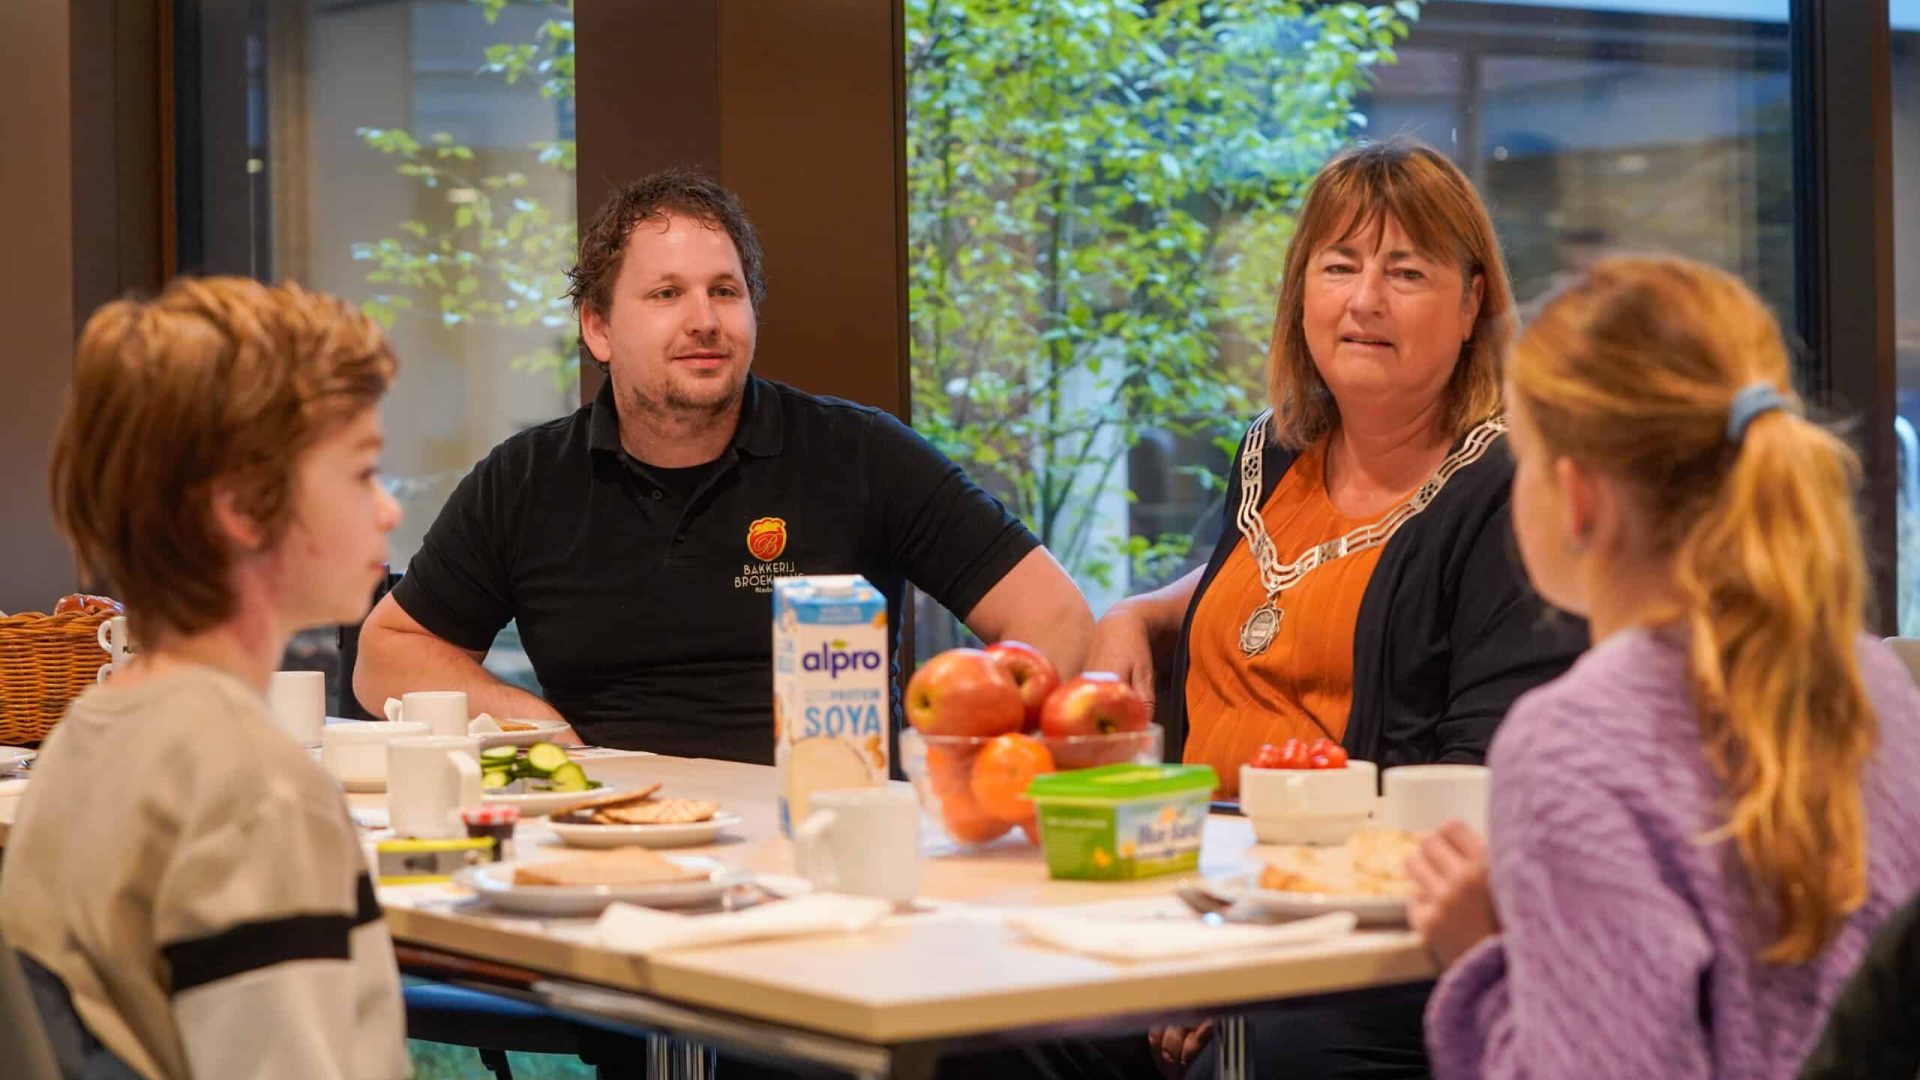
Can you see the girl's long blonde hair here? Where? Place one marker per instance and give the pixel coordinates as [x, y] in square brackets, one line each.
[1633, 369]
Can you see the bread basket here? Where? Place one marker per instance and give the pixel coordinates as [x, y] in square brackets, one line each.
[45, 662]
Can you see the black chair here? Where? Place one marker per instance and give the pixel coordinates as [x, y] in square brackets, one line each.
[493, 1025]
[29, 1053]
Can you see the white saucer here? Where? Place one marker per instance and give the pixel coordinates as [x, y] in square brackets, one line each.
[494, 883]
[1371, 910]
[542, 731]
[538, 803]
[653, 836]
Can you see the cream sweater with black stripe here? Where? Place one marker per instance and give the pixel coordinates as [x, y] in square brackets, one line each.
[191, 876]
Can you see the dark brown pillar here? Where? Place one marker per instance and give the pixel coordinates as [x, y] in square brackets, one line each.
[79, 206]
[795, 106]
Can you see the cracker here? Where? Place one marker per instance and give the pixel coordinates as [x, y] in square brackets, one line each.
[658, 812]
[597, 802]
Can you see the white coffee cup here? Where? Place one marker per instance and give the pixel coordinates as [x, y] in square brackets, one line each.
[429, 778]
[117, 640]
[1421, 798]
[355, 752]
[864, 841]
[443, 711]
[297, 704]
[114, 637]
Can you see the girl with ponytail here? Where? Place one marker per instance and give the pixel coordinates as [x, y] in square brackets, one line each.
[1695, 831]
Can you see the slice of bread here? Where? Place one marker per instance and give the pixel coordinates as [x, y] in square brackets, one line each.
[620, 866]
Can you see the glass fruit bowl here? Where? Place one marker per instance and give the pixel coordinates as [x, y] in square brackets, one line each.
[973, 792]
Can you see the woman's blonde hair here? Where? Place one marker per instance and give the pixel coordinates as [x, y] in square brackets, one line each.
[1437, 206]
[1633, 369]
[215, 381]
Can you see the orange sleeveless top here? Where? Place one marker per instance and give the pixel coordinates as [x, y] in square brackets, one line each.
[1302, 686]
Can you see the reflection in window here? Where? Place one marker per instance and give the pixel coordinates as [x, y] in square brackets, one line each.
[1906, 291]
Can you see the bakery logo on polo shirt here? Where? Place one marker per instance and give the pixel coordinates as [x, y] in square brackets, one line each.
[766, 539]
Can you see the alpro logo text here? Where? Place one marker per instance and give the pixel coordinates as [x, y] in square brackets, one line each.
[834, 657]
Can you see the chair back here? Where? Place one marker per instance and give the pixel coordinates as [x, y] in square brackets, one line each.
[1908, 650]
[29, 1056]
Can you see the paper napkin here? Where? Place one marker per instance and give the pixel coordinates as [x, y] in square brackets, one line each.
[634, 929]
[1160, 939]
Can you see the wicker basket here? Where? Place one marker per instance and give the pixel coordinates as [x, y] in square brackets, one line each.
[45, 662]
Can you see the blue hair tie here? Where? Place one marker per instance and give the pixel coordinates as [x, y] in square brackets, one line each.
[1752, 401]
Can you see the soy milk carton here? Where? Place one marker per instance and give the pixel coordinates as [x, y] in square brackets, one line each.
[831, 687]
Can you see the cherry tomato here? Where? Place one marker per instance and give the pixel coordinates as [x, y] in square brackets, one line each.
[1267, 757]
[1294, 755]
[1324, 753]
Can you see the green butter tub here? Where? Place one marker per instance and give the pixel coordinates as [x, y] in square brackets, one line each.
[1120, 822]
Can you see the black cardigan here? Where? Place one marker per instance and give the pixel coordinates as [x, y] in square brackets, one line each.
[1449, 631]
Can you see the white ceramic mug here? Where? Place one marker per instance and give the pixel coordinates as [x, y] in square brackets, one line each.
[443, 711]
[864, 841]
[117, 640]
[1421, 798]
[355, 752]
[114, 637]
[429, 778]
[297, 704]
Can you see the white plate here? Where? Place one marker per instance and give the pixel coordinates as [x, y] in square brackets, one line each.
[542, 731]
[538, 803]
[12, 757]
[654, 836]
[494, 882]
[1371, 910]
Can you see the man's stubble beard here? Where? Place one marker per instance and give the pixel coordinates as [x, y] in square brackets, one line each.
[671, 406]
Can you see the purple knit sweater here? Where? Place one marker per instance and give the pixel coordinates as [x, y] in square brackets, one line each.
[1628, 947]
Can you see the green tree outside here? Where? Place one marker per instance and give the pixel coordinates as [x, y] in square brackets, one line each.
[1099, 193]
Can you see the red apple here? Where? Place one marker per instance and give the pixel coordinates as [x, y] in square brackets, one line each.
[1096, 703]
[964, 692]
[1031, 671]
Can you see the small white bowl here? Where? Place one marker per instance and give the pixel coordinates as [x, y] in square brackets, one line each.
[1309, 806]
[355, 751]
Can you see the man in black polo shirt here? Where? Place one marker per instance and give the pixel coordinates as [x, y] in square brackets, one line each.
[636, 541]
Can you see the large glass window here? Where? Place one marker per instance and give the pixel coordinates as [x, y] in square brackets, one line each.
[1905, 16]
[415, 157]
[1100, 195]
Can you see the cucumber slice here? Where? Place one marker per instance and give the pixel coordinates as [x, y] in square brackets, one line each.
[544, 757]
[499, 757]
[570, 777]
[495, 778]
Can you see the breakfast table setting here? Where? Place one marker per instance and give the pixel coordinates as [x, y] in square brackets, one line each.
[1051, 878]
[990, 951]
